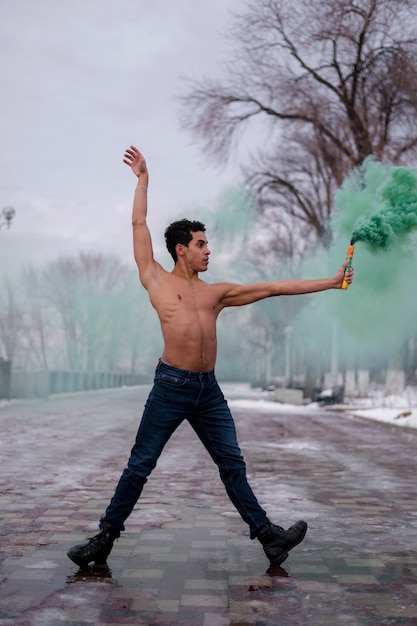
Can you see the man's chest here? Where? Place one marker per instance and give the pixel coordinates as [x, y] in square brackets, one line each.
[184, 299]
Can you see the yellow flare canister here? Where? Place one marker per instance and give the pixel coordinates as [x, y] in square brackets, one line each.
[349, 256]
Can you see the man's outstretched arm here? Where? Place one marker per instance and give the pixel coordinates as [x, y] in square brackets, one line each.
[142, 242]
[238, 295]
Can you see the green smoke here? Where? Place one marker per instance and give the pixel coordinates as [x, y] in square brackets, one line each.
[378, 204]
[394, 206]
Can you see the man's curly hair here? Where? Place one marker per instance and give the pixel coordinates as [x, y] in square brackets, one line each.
[180, 232]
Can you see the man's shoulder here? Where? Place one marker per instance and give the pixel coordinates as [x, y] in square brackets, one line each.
[218, 290]
[212, 286]
[222, 286]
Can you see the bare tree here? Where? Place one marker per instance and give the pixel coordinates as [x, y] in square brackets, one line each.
[85, 291]
[336, 82]
[10, 320]
[36, 326]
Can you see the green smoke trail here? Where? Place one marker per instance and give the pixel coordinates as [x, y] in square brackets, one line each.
[395, 214]
[379, 313]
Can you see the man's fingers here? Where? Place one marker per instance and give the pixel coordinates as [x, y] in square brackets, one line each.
[134, 151]
[132, 156]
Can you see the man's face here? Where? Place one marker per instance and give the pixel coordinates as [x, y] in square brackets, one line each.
[197, 253]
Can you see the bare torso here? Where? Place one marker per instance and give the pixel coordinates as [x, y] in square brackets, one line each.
[187, 310]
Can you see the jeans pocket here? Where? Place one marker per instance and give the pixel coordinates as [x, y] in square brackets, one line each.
[170, 379]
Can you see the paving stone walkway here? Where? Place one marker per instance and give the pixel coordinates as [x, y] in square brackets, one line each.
[186, 558]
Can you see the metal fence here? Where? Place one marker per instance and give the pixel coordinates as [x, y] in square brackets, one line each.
[42, 383]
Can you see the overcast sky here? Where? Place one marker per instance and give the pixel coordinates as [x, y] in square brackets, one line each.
[82, 80]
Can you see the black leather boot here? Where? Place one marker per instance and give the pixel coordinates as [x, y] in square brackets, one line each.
[277, 542]
[96, 549]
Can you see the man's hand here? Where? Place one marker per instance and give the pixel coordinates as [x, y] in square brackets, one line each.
[341, 275]
[135, 160]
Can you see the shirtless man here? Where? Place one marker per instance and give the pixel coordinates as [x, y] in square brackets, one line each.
[185, 386]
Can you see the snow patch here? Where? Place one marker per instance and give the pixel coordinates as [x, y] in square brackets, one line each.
[42, 565]
[396, 410]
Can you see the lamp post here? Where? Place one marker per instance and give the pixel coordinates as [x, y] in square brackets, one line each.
[288, 364]
[8, 214]
[6, 217]
[334, 359]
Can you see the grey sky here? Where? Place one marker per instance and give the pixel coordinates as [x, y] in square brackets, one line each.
[80, 81]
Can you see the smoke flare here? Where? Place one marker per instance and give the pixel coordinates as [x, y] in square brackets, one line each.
[349, 257]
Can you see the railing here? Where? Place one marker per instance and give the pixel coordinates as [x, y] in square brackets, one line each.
[40, 384]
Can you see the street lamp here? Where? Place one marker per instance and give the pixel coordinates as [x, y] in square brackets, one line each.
[288, 364]
[8, 214]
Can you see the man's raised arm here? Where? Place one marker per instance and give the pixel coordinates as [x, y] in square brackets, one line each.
[142, 243]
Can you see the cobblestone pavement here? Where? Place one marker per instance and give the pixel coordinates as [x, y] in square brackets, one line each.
[186, 558]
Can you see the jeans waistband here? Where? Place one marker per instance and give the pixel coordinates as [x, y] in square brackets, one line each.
[189, 375]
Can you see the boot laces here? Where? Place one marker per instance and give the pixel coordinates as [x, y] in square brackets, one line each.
[98, 541]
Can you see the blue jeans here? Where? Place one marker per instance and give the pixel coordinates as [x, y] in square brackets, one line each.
[195, 396]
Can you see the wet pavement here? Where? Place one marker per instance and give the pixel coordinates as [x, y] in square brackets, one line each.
[186, 558]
